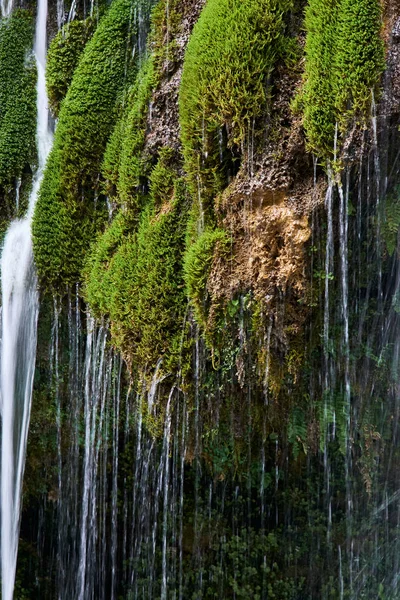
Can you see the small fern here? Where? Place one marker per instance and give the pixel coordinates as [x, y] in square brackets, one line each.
[297, 432]
[391, 222]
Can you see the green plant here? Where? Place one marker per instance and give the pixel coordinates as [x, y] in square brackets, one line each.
[132, 165]
[197, 264]
[134, 274]
[62, 59]
[123, 166]
[17, 95]
[70, 209]
[344, 62]
[225, 81]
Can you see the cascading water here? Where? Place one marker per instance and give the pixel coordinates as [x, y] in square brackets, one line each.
[19, 321]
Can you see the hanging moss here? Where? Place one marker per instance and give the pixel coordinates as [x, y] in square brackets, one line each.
[69, 196]
[344, 61]
[112, 155]
[317, 96]
[228, 63]
[197, 265]
[135, 276]
[62, 59]
[17, 95]
[166, 23]
[132, 164]
[359, 57]
[124, 167]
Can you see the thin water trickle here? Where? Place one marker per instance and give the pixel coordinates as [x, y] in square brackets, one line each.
[6, 8]
[19, 321]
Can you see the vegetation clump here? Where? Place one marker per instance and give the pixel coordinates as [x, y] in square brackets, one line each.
[225, 81]
[132, 165]
[62, 59]
[344, 62]
[197, 265]
[70, 207]
[17, 95]
[124, 168]
[134, 275]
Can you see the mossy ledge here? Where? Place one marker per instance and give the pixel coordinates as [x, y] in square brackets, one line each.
[134, 274]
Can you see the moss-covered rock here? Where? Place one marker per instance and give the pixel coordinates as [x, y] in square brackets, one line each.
[134, 275]
[197, 266]
[62, 59]
[17, 95]
[225, 82]
[70, 197]
[344, 61]
[132, 165]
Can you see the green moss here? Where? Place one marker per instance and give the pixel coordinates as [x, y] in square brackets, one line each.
[69, 196]
[162, 177]
[166, 22]
[359, 58]
[317, 96]
[132, 166]
[112, 156]
[228, 64]
[158, 312]
[391, 222]
[344, 61]
[100, 269]
[135, 275]
[17, 95]
[62, 59]
[124, 167]
[197, 264]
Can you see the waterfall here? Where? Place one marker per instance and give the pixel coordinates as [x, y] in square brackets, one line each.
[6, 8]
[19, 319]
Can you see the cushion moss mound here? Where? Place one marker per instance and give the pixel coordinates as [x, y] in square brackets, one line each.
[134, 276]
[62, 59]
[229, 60]
[69, 194]
[131, 165]
[197, 265]
[344, 62]
[17, 95]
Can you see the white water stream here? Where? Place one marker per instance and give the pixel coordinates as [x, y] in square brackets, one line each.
[19, 320]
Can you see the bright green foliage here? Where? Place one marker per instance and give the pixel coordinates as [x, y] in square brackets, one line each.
[359, 59]
[17, 95]
[132, 165]
[112, 156]
[162, 177]
[62, 59]
[344, 61]
[102, 266]
[317, 95]
[123, 165]
[136, 277]
[69, 196]
[197, 265]
[229, 60]
[158, 310]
